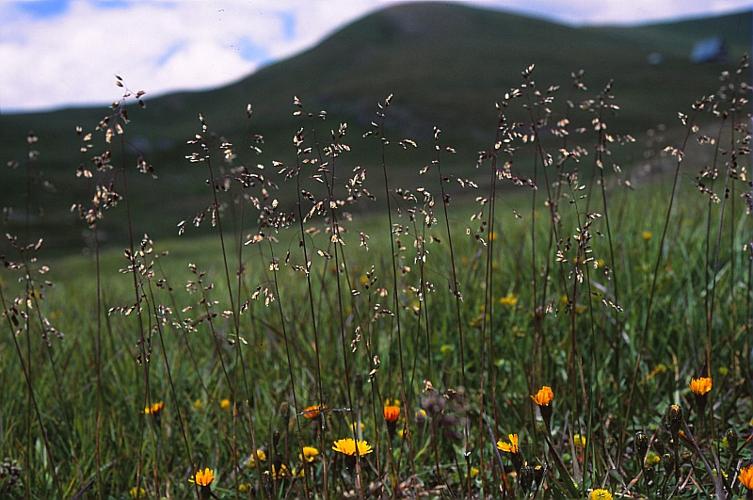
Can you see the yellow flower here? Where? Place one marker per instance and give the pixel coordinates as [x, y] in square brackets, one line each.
[422, 416]
[511, 446]
[309, 454]
[225, 404]
[203, 478]
[154, 409]
[474, 472]
[579, 441]
[251, 461]
[244, 488]
[137, 492]
[652, 459]
[646, 235]
[599, 263]
[544, 396]
[391, 410]
[509, 300]
[364, 280]
[493, 236]
[746, 477]
[198, 405]
[700, 386]
[600, 494]
[313, 411]
[348, 446]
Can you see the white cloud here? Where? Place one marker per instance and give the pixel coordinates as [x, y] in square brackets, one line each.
[160, 46]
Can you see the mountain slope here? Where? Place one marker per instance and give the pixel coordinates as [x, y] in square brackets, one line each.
[447, 64]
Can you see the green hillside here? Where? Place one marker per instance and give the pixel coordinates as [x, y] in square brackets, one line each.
[447, 64]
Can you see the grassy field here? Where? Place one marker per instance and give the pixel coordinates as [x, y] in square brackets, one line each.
[420, 323]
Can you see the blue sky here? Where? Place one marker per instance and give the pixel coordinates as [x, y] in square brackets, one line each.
[65, 52]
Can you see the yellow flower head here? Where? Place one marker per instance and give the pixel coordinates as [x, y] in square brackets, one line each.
[348, 447]
[137, 492]
[544, 396]
[474, 472]
[309, 454]
[746, 477]
[198, 405]
[700, 386]
[579, 441]
[154, 409]
[509, 300]
[600, 494]
[251, 461]
[646, 235]
[652, 459]
[225, 404]
[511, 446]
[203, 478]
[313, 411]
[391, 410]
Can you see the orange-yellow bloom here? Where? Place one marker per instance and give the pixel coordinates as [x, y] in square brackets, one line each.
[746, 477]
[154, 409]
[511, 446]
[349, 447]
[309, 454]
[544, 396]
[391, 411]
[701, 385]
[203, 478]
[600, 494]
[313, 411]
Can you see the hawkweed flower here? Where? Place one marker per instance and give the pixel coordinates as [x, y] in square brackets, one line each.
[746, 477]
[421, 416]
[309, 454]
[313, 412]
[350, 447]
[600, 494]
[225, 404]
[646, 235]
[543, 399]
[391, 414]
[203, 479]
[700, 387]
[154, 409]
[512, 447]
[579, 441]
[251, 461]
[509, 300]
[137, 492]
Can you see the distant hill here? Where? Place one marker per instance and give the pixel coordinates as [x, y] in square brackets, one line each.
[446, 64]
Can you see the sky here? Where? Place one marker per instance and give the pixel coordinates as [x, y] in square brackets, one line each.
[56, 53]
